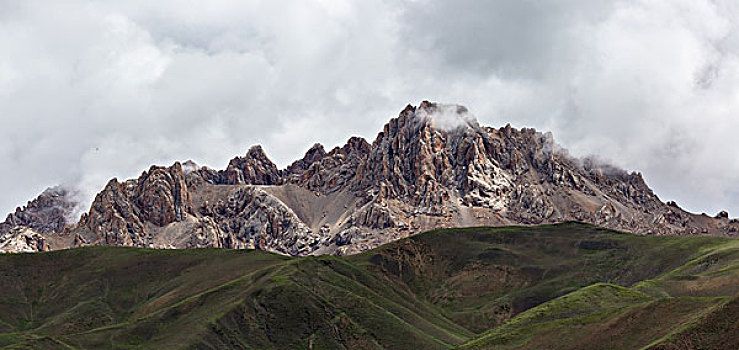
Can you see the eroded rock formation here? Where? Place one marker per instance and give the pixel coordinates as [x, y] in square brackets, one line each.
[433, 166]
[21, 239]
[50, 212]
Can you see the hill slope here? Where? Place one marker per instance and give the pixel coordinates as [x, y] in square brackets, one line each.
[563, 286]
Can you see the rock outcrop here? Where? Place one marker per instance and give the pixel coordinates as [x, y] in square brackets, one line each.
[254, 169]
[313, 155]
[252, 218]
[329, 172]
[50, 212]
[431, 167]
[22, 240]
[124, 213]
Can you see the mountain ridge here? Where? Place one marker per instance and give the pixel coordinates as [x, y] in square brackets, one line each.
[431, 167]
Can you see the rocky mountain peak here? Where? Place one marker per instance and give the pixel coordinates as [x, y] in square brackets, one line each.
[432, 166]
[314, 154]
[255, 168]
[189, 166]
[120, 212]
[356, 144]
[445, 117]
[257, 152]
[162, 195]
[50, 212]
[430, 117]
[425, 153]
[332, 171]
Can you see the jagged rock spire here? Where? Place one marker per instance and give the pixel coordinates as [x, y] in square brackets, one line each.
[254, 169]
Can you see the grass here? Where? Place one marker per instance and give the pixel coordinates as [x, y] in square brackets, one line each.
[554, 286]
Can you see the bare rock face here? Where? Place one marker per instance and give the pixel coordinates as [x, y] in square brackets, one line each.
[113, 219]
[431, 167]
[162, 195]
[22, 240]
[120, 213]
[252, 218]
[329, 172]
[375, 216]
[50, 212]
[253, 169]
[408, 161]
[313, 155]
[206, 234]
[415, 160]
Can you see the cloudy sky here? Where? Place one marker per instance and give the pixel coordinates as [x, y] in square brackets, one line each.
[91, 90]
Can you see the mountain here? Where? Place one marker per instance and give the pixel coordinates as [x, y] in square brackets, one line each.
[564, 286]
[30, 228]
[431, 167]
[50, 212]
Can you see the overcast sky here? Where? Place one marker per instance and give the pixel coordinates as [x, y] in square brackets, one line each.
[91, 90]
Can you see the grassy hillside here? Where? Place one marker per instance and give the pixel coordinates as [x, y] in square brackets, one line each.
[558, 286]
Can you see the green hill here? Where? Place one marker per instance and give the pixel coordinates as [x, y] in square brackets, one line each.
[568, 286]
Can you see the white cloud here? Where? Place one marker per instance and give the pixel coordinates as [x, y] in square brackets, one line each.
[92, 90]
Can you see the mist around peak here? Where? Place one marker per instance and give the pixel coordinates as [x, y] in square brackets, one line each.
[446, 117]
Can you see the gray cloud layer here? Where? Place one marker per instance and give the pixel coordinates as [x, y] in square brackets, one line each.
[92, 90]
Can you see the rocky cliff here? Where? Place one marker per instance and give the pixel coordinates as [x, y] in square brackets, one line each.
[22, 240]
[50, 212]
[433, 166]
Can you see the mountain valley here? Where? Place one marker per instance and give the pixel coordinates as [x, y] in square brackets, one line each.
[564, 286]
